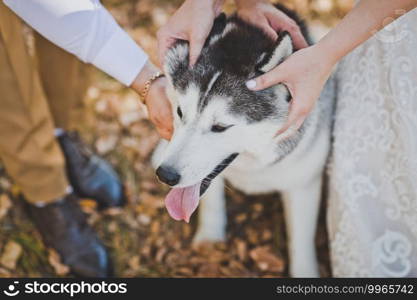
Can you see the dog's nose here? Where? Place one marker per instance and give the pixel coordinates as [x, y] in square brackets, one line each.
[168, 175]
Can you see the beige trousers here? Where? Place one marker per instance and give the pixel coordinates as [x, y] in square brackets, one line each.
[40, 89]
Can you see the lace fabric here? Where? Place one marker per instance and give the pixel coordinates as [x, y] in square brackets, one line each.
[372, 205]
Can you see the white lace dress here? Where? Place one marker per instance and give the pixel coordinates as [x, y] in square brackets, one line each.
[372, 215]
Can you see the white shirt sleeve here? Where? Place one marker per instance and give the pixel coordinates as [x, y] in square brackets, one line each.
[86, 29]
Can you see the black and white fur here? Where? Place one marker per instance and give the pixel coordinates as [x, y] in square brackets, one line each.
[213, 93]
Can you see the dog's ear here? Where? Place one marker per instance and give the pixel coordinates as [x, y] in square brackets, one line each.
[282, 49]
[176, 60]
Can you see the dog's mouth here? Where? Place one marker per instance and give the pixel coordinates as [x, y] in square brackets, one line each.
[182, 202]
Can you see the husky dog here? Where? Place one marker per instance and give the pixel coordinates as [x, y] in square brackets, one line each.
[223, 130]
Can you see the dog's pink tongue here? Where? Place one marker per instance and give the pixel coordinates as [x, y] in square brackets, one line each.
[182, 202]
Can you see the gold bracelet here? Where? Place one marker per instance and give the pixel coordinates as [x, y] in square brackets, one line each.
[148, 84]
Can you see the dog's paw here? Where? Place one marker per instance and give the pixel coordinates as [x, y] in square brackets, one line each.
[211, 236]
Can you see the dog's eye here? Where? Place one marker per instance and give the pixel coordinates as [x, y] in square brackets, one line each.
[179, 112]
[219, 127]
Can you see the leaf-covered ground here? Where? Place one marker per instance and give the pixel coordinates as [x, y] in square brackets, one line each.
[143, 240]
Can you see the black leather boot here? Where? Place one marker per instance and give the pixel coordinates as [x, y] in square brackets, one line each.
[64, 227]
[90, 175]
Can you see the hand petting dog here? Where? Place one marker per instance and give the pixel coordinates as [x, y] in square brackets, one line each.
[193, 21]
[263, 14]
[304, 74]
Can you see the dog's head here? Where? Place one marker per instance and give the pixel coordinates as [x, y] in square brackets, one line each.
[216, 116]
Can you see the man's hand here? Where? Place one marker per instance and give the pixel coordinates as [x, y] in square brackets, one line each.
[263, 14]
[159, 107]
[192, 22]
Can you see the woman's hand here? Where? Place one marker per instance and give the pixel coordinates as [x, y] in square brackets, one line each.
[192, 22]
[304, 73]
[263, 14]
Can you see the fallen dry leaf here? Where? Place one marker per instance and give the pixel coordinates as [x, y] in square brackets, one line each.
[130, 117]
[15, 190]
[5, 183]
[5, 205]
[252, 235]
[88, 205]
[241, 248]
[144, 219]
[106, 144]
[134, 263]
[55, 262]
[112, 227]
[152, 201]
[10, 255]
[146, 145]
[4, 273]
[241, 218]
[265, 260]
[113, 211]
[160, 254]
[210, 270]
[186, 272]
